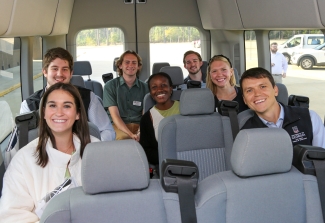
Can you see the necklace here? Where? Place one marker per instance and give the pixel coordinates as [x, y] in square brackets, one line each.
[66, 151]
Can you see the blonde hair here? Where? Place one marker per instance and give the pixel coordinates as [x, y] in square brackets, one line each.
[209, 82]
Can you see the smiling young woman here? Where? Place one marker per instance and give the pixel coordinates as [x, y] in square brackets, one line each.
[160, 88]
[221, 81]
[46, 162]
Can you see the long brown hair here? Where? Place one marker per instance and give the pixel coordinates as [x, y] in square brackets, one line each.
[80, 126]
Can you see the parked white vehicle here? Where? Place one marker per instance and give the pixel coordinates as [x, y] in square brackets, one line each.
[300, 41]
[307, 58]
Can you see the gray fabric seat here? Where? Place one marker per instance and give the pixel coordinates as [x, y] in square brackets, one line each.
[176, 74]
[237, 77]
[115, 188]
[157, 66]
[247, 114]
[198, 134]
[263, 186]
[83, 68]
[77, 81]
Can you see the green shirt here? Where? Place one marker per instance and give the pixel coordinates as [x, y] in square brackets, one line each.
[128, 100]
[174, 110]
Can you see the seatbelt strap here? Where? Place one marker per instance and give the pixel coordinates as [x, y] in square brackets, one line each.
[320, 175]
[230, 109]
[23, 133]
[181, 176]
[186, 199]
[233, 122]
[24, 123]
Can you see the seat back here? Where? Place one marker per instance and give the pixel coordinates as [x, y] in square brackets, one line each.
[236, 75]
[283, 94]
[83, 68]
[198, 134]
[204, 67]
[157, 66]
[115, 188]
[262, 186]
[176, 74]
[78, 81]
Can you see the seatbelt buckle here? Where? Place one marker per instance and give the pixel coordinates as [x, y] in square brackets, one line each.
[304, 155]
[297, 100]
[32, 118]
[225, 106]
[171, 169]
[193, 84]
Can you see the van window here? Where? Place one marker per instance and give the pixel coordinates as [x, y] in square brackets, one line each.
[299, 81]
[100, 47]
[294, 42]
[312, 40]
[10, 85]
[175, 39]
[250, 50]
[37, 64]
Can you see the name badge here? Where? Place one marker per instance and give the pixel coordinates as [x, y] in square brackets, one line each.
[137, 103]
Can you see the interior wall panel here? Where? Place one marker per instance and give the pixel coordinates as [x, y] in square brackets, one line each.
[293, 14]
[62, 17]
[5, 15]
[93, 14]
[32, 17]
[218, 14]
[321, 7]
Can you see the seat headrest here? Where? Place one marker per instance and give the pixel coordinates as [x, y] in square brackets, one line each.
[157, 66]
[114, 166]
[77, 81]
[261, 151]
[283, 94]
[197, 101]
[175, 73]
[82, 68]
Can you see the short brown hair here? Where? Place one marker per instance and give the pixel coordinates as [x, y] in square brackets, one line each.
[80, 126]
[120, 61]
[209, 82]
[274, 43]
[257, 72]
[57, 52]
[191, 52]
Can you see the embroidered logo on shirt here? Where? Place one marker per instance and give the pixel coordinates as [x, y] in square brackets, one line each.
[298, 136]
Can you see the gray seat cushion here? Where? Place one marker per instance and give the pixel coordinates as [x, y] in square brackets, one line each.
[256, 152]
[263, 187]
[106, 159]
[116, 188]
[198, 134]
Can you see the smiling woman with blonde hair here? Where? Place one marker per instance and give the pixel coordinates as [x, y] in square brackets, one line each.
[222, 82]
[49, 160]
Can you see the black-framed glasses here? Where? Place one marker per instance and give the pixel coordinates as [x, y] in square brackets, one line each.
[220, 55]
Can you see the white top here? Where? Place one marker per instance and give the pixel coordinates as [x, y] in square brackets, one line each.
[280, 63]
[25, 183]
[96, 115]
[156, 118]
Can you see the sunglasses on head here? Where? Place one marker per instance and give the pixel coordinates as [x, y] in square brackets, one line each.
[220, 55]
